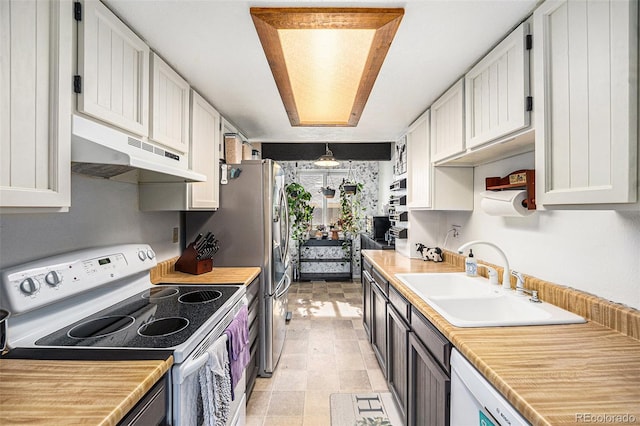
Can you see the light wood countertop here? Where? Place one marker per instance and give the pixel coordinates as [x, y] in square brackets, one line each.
[551, 374]
[165, 272]
[38, 392]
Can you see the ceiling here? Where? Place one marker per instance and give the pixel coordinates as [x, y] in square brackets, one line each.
[213, 44]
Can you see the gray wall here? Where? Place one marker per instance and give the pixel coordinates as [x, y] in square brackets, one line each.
[102, 212]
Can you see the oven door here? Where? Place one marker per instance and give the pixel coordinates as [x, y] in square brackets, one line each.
[186, 396]
[187, 407]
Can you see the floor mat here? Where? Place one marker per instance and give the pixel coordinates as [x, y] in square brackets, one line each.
[363, 409]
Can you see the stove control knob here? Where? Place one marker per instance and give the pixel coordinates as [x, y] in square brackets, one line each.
[150, 254]
[29, 286]
[142, 255]
[53, 279]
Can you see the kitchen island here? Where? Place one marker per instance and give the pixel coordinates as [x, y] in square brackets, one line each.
[558, 374]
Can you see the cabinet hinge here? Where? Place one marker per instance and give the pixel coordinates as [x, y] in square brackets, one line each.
[529, 103]
[528, 40]
[77, 11]
[77, 84]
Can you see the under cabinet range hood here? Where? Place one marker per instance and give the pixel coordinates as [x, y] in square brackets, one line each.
[101, 151]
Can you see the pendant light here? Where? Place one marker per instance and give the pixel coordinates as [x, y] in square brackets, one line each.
[327, 159]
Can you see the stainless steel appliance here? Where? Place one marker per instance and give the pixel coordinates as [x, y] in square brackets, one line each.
[252, 226]
[102, 300]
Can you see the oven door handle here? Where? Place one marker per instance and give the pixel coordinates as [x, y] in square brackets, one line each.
[188, 368]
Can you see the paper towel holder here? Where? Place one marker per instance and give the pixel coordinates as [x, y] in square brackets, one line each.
[525, 178]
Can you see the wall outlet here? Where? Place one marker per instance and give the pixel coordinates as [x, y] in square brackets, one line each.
[456, 230]
[176, 235]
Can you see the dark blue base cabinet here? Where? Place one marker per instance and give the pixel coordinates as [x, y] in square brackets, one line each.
[412, 353]
[429, 387]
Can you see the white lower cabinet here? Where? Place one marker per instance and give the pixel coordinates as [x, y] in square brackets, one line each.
[586, 102]
[35, 105]
[204, 158]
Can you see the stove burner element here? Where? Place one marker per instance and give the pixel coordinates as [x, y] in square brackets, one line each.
[201, 296]
[159, 293]
[100, 327]
[163, 327]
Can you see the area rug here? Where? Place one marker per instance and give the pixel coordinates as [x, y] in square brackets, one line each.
[363, 409]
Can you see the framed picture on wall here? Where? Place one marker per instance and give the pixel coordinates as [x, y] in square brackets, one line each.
[400, 157]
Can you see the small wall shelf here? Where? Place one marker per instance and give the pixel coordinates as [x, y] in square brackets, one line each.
[519, 179]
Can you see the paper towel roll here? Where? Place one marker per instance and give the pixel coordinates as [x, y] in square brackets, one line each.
[505, 203]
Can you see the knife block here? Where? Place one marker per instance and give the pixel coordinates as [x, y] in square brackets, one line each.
[189, 263]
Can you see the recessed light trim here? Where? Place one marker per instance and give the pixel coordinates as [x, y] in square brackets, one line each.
[290, 36]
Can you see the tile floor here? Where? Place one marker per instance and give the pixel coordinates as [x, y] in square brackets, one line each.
[326, 351]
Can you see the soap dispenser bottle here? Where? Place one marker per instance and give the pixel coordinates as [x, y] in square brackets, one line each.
[471, 265]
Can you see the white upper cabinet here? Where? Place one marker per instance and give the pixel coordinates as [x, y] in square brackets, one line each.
[586, 106]
[170, 106]
[431, 187]
[113, 64]
[205, 154]
[204, 157]
[496, 91]
[35, 105]
[447, 123]
[419, 164]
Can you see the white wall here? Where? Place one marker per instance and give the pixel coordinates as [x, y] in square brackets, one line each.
[597, 251]
[385, 179]
[102, 212]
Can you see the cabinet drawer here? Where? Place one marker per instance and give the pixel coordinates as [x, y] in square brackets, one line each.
[434, 341]
[252, 291]
[253, 333]
[400, 303]
[382, 283]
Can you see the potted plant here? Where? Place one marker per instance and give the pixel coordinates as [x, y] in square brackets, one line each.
[328, 192]
[300, 210]
[348, 186]
[350, 215]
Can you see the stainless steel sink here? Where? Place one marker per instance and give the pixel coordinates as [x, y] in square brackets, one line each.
[473, 302]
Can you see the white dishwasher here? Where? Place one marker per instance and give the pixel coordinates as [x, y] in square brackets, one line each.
[474, 401]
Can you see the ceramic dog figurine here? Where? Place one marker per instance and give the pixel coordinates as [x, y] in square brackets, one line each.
[429, 253]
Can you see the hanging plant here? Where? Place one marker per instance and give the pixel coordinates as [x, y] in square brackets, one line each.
[300, 210]
[349, 186]
[350, 209]
[328, 192]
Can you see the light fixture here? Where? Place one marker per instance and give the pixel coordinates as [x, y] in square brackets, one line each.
[327, 159]
[325, 60]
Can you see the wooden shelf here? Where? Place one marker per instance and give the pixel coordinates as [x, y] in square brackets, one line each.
[525, 179]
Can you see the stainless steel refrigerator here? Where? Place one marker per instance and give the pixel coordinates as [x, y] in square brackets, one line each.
[252, 227]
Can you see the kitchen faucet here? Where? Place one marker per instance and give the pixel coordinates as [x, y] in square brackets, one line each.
[506, 282]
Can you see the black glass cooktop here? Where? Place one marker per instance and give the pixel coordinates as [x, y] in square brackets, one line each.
[159, 317]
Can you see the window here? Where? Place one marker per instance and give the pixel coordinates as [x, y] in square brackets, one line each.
[326, 210]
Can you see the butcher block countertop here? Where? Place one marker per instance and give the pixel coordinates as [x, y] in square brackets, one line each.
[165, 273]
[39, 392]
[553, 375]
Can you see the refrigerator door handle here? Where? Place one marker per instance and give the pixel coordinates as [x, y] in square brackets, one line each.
[284, 206]
[287, 281]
